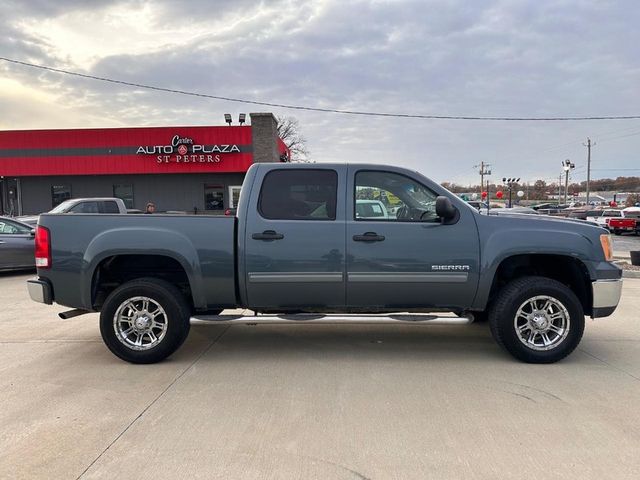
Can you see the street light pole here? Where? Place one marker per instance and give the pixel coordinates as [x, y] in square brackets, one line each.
[567, 166]
[510, 182]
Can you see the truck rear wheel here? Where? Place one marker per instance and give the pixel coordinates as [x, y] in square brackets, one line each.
[537, 319]
[145, 320]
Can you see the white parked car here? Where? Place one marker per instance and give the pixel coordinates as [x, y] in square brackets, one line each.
[83, 205]
[372, 209]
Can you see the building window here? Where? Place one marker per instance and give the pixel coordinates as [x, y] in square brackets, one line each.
[125, 193]
[299, 195]
[234, 196]
[60, 193]
[213, 197]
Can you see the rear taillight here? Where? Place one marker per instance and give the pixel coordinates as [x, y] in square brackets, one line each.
[43, 247]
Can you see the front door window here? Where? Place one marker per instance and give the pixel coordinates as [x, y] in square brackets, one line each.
[392, 197]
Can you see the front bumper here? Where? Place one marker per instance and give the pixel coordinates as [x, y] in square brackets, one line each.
[40, 291]
[606, 295]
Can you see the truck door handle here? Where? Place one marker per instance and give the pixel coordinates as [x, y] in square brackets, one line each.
[267, 235]
[368, 237]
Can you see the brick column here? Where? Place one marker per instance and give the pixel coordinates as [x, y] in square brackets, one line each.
[264, 133]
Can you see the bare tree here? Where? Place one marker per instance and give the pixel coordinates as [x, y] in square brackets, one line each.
[289, 132]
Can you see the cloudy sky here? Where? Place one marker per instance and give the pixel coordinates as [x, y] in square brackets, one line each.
[455, 57]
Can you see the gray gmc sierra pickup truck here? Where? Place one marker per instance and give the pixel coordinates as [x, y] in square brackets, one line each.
[329, 243]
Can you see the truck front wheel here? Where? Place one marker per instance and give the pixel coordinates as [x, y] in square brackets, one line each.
[145, 320]
[537, 319]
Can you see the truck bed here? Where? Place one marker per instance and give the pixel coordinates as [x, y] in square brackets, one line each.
[199, 248]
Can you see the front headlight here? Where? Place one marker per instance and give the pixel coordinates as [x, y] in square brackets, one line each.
[607, 248]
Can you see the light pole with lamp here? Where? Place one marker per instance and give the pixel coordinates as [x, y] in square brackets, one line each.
[567, 166]
[510, 184]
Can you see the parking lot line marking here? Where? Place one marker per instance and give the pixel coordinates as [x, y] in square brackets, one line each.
[608, 364]
[144, 410]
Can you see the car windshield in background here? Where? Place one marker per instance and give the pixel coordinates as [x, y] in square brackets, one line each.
[62, 207]
[370, 209]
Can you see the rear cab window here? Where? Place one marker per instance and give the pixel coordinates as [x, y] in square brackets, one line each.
[299, 194]
[109, 206]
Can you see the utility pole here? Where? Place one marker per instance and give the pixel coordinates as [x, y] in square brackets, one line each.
[588, 145]
[559, 188]
[484, 170]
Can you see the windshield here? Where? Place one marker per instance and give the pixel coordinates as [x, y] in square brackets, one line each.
[62, 207]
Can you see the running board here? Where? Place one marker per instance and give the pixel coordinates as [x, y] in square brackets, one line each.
[331, 319]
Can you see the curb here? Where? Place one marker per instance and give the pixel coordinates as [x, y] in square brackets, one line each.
[630, 274]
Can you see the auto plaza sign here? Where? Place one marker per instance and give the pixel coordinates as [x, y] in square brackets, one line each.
[184, 150]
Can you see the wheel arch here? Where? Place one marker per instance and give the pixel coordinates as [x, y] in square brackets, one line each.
[157, 242]
[113, 269]
[566, 269]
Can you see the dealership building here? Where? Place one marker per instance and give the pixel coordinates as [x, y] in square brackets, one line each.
[189, 169]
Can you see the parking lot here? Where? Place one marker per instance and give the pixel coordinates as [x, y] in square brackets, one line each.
[314, 402]
[623, 244]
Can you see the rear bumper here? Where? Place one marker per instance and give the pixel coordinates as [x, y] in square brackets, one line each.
[606, 295]
[40, 291]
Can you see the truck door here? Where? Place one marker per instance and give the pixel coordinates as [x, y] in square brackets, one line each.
[294, 240]
[406, 258]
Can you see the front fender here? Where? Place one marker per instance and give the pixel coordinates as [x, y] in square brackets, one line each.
[142, 241]
[500, 244]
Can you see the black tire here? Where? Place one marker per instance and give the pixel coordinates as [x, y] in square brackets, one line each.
[502, 319]
[175, 320]
[617, 232]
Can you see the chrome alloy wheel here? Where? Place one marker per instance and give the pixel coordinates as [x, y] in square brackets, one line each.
[140, 323]
[542, 323]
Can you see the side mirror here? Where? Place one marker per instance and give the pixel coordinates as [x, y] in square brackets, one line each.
[445, 209]
[32, 232]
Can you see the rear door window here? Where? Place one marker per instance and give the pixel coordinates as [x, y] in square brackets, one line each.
[299, 194]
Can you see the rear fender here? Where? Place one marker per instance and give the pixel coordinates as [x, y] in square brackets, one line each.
[150, 241]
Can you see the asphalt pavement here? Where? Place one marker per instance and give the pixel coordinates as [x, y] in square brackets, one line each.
[325, 402]
[623, 244]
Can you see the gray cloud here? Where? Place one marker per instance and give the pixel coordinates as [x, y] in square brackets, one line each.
[500, 58]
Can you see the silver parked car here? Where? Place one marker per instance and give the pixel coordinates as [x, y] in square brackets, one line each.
[17, 245]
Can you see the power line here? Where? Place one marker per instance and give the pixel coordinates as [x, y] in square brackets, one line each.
[618, 169]
[318, 109]
[621, 136]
